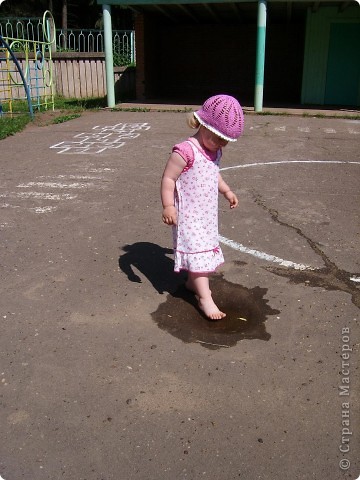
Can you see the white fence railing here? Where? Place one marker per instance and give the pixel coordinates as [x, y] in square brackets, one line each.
[73, 40]
[87, 40]
[22, 28]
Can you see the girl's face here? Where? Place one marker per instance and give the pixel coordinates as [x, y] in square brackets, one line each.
[211, 141]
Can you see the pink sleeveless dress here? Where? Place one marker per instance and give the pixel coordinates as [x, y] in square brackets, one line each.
[196, 242]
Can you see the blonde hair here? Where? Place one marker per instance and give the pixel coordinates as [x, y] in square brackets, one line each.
[192, 121]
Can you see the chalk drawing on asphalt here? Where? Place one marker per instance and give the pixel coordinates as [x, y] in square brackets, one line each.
[101, 139]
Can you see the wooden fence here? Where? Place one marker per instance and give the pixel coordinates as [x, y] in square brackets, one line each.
[78, 75]
[82, 75]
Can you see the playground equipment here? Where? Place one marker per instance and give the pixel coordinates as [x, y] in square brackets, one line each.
[26, 70]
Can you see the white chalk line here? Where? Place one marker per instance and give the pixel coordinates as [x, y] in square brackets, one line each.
[43, 209]
[266, 256]
[35, 195]
[283, 128]
[101, 170]
[355, 279]
[39, 196]
[73, 177]
[59, 185]
[288, 162]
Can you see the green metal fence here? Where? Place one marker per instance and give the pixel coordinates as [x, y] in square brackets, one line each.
[26, 68]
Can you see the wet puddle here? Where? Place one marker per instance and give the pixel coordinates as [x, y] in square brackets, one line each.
[246, 312]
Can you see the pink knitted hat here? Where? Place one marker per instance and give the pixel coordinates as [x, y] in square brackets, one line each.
[222, 115]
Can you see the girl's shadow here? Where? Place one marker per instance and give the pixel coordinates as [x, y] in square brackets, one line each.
[152, 261]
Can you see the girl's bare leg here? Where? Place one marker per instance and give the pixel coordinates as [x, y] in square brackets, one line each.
[199, 284]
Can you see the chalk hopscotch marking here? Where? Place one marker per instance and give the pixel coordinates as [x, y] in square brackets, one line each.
[266, 256]
[103, 138]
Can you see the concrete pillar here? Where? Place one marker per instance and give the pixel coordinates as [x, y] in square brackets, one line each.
[260, 56]
[109, 61]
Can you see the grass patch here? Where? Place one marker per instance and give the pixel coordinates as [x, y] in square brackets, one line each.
[11, 125]
[65, 109]
[131, 109]
[147, 110]
[66, 118]
[265, 113]
[80, 104]
[343, 116]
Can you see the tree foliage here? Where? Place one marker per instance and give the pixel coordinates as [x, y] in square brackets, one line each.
[75, 14]
[69, 13]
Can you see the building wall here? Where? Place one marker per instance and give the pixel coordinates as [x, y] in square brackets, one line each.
[147, 56]
[284, 62]
[193, 61]
[332, 60]
[140, 56]
[204, 59]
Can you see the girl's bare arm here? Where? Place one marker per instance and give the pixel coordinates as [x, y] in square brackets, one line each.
[228, 193]
[173, 169]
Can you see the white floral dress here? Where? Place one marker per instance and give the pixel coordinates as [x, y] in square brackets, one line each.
[196, 242]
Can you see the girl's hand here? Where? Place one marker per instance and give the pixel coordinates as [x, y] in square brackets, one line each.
[232, 199]
[169, 215]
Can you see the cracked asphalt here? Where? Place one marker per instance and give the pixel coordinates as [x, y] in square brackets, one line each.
[109, 371]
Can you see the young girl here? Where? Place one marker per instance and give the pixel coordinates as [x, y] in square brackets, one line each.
[189, 195]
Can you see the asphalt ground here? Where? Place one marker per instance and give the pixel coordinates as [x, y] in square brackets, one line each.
[109, 371]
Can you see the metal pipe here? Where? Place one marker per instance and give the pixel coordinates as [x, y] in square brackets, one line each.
[109, 62]
[260, 56]
[26, 86]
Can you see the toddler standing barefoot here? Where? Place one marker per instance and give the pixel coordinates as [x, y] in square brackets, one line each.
[189, 194]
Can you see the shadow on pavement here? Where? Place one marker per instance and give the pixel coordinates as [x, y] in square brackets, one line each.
[246, 309]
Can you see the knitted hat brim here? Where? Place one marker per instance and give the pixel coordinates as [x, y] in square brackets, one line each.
[212, 129]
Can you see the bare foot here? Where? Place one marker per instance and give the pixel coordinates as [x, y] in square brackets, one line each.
[208, 306]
